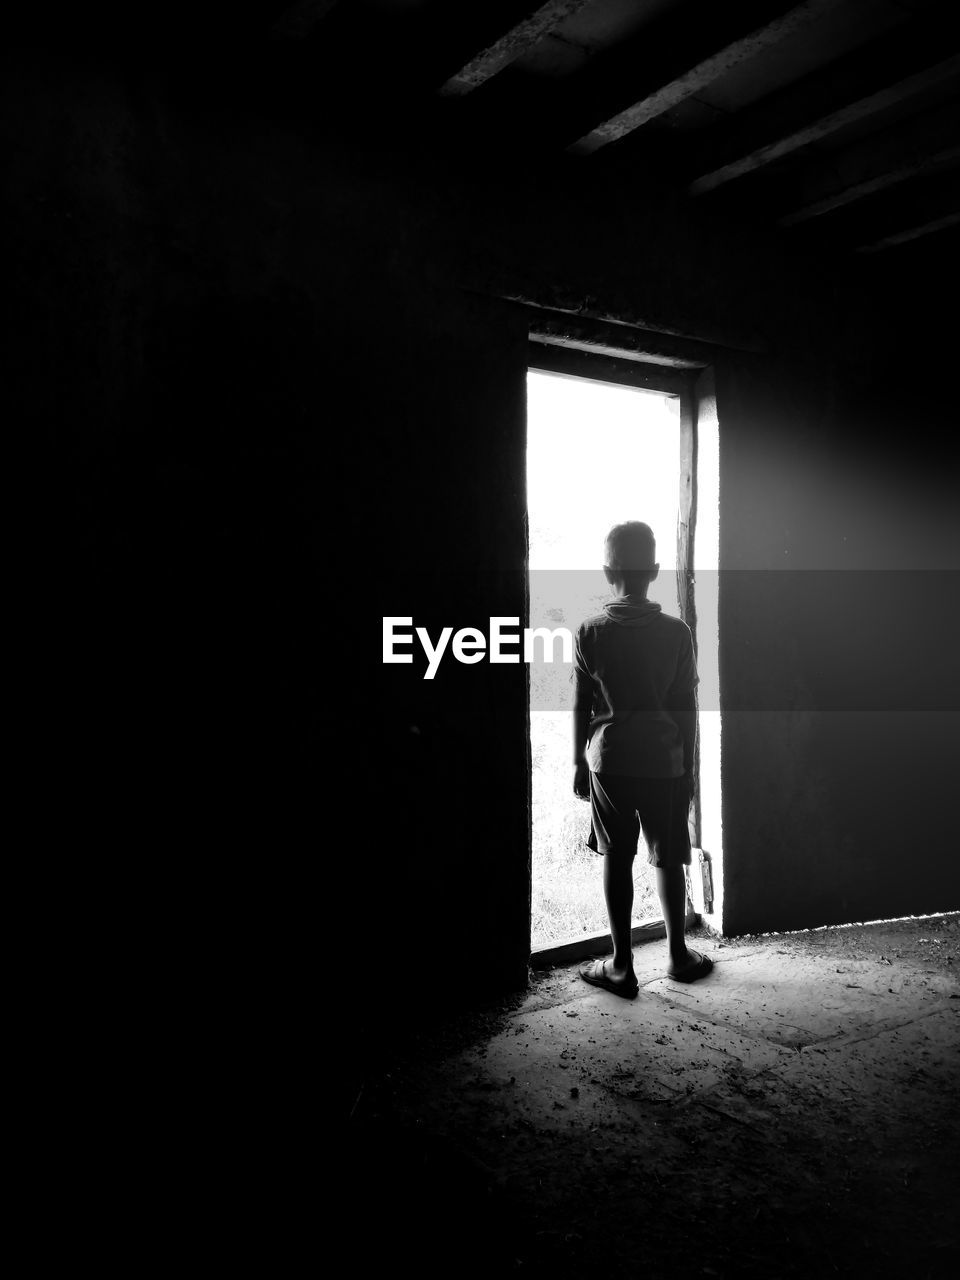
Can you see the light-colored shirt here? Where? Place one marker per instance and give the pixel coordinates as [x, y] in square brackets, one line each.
[637, 661]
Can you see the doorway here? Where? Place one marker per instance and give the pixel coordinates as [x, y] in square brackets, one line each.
[598, 453]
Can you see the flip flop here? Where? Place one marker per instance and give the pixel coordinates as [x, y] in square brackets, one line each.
[700, 967]
[592, 972]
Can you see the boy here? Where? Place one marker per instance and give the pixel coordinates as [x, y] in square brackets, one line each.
[636, 707]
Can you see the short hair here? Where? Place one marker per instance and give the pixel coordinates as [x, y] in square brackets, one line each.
[630, 547]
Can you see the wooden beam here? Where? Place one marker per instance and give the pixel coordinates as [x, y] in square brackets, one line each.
[618, 341]
[696, 77]
[618, 353]
[823, 127]
[923, 144]
[863, 71]
[296, 22]
[912, 233]
[622, 320]
[510, 46]
[601, 368]
[686, 543]
[889, 218]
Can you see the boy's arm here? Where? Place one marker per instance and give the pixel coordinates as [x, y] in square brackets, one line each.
[684, 711]
[683, 708]
[582, 706]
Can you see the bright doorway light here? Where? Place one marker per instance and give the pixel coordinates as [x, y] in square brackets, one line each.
[597, 455]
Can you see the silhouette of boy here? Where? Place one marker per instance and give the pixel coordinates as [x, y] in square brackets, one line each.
[634, 736]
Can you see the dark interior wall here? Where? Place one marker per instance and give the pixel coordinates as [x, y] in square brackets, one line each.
[839, 621]
[267, 413]
[275, 382]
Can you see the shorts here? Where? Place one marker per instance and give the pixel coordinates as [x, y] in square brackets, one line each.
[620, 807]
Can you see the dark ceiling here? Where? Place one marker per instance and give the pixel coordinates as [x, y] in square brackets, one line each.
[830, 123]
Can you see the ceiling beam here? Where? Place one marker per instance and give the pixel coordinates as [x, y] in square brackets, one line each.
[866, 70]
[912, 233]
[727, 53]
[891, 215]
[921, 145]
[826, 125]
[298, 20]
[510, 46]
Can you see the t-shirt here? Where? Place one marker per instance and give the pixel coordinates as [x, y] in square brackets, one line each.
[636, 659]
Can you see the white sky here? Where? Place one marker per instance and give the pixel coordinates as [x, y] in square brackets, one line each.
[598, 454]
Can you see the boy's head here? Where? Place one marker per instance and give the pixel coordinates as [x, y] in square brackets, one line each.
[630, 557]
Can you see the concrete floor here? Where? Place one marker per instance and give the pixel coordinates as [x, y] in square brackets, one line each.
[795, 1114]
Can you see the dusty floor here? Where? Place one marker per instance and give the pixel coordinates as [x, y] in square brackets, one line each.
[795, 1114]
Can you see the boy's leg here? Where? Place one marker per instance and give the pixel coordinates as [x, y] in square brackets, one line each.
[672, 891]
[618, 893]
[664, 817]
[616, 829]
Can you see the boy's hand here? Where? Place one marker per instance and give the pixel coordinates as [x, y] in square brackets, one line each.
[581, 781]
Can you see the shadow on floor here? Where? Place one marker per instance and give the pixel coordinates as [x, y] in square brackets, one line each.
[794, 1115]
